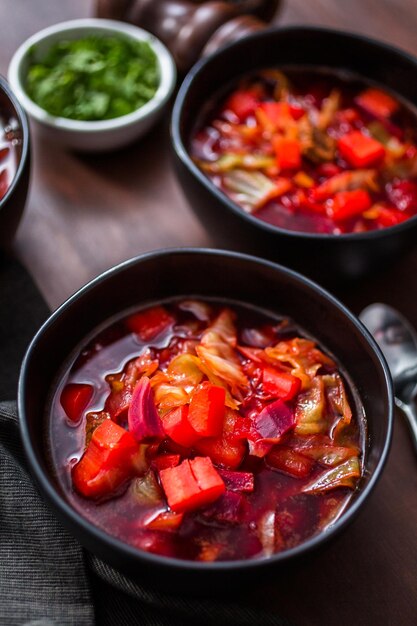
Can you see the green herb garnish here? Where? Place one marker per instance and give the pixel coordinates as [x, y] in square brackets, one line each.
[93, 78]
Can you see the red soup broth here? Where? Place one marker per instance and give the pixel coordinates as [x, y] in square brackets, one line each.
[312, 151]
[206, 431]
[9, 143]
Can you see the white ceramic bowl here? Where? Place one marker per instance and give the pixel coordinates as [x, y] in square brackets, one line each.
[92, 136]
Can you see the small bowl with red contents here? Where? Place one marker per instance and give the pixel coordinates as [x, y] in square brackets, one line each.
[306, 151]
[14, 163]
[204, 430]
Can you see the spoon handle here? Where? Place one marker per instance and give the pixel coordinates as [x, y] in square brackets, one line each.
[411, 416]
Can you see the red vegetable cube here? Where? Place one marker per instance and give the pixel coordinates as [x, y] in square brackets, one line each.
[280, 384]
[360, 150]
[75, 398]
[377, 102]
[242, 104]
[150, 323]
[273, 115]
[107, 462]
[192, 484]
[206, 413]
[288, 153]
[347, 204]
[178, 428]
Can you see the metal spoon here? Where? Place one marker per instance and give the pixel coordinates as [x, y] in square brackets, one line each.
[398, 342]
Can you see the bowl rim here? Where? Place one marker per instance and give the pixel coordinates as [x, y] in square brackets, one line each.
[129, 552]
[167, 68]
[182, 152]
[24, 124]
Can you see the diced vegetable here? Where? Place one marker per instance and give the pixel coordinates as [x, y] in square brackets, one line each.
[360, 150]
[288, 153]
[273, 115]
[274, 421]
[178, 427]
[238, 481]
[75, 398]
[167, 521]
[150, 323]
[377, 102]
[144, 421]
[344, 475]
[347, 204]
[226, 450]
[107, 462]
[242, 104]
[192, 484]
[206, 412]
[280, 384]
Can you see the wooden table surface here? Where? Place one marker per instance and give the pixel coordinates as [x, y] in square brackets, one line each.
[86, 213]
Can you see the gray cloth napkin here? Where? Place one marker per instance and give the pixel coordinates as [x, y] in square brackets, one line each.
[46, 578]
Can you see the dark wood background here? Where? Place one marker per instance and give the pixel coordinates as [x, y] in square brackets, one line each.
[86, 213]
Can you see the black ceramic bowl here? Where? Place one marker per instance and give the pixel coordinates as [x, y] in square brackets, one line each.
[325, 257]
[224, 275]
[13, 202]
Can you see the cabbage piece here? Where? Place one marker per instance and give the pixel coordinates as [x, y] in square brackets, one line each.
[323, 450]
[344, 475]
[310, 409]
[184, 369]
[328, 110]
[146, 490]
[301, 356]
[223, 325]
[200, 310]
[347, 181]
[337, 402]
[252, 190]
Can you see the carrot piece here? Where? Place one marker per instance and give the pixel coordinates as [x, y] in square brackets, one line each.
[178, 428]
[192, 484]
[377, 102]
[74, 399]
[288, 153]
[360, 150]
[348, 204]
[150, 323]
[273, 115]
[280, 384]
[107, 462]
[206, 413]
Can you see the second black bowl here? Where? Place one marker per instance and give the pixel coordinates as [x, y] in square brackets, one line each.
[325, 257]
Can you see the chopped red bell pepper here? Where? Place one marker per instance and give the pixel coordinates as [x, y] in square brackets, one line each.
[150, 323]
[378, 103]
[289, 461]
[225, 450]
[296, 110]
[346, 204]
[242, 104]
[192, 484]
[360, 150]
[280, 384]
[107, 462]
[75, 398]
[178, 428]
[288, 153]
[206, 413]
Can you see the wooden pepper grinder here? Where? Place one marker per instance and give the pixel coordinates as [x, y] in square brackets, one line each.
[190, 29]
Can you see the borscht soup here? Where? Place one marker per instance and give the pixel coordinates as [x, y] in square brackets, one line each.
[206, 431]
[316, 151]
[10, 142]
